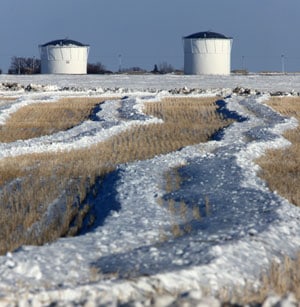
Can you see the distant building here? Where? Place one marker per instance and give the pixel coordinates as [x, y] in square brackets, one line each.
[207, 53]
[64, 56]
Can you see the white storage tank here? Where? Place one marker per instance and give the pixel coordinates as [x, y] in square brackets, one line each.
[207, 53]
[64, 56]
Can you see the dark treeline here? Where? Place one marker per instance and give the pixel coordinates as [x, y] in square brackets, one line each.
[32, 65]
[24, 66]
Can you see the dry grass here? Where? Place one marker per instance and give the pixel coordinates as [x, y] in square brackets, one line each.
[46, 176]
[281, 168]
[186, 122]
[281, 279]
[47, 118]
[189, 214]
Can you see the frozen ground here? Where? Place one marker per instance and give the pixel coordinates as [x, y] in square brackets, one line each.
[133, 251]
[121, 83]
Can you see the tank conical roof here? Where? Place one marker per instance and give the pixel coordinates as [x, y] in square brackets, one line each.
[64, 42]
[207, 35]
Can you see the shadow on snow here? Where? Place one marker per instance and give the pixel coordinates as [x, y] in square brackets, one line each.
[103, 201]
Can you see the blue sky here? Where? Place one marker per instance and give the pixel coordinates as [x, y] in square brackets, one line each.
[148, 32]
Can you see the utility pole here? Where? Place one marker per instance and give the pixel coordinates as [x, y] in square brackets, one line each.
[283, 63]
[120, 62]
[33, 59]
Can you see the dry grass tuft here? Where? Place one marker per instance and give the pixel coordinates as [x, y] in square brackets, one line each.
[282, 279]
[40, 119]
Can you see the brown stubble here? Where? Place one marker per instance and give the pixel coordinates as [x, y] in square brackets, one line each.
[40, 119]
[281, 168]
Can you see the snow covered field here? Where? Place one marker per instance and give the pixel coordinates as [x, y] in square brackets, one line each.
[125, 258]
[267, 83]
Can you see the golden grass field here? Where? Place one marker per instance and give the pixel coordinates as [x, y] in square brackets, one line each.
[46, 118]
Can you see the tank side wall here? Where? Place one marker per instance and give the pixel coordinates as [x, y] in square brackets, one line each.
[64, 60]
[207, 56]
